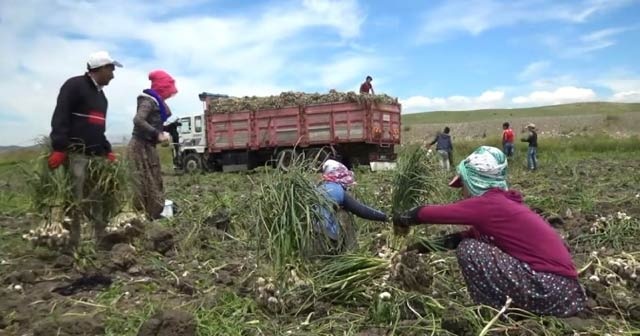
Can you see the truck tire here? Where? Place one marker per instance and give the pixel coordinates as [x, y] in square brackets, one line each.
[192, 163]
[285, 159]
[317, 156]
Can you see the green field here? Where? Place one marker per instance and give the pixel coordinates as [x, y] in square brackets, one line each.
[575, 109]
[214, 276]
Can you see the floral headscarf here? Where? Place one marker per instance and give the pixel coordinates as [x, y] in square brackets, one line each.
[334, 171]
[484, 169]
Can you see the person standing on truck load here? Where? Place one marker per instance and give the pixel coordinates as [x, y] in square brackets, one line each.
[509, 251]
[367, 87]
[507, 139]
[338, 226]
[151, 113]
[78, 136]
[444, 147]
[532, 151]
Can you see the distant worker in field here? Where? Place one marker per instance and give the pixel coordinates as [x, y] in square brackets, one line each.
[172, 129]
[339, 227]
[148, 131]
[532, 151]
[78, 136]
[507, 139]
[444, 147]
[367, 87]
[509, 251]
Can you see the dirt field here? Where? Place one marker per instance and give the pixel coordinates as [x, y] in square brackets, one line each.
[204, 272]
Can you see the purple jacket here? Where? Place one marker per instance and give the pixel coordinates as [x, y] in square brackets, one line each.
[511, 226]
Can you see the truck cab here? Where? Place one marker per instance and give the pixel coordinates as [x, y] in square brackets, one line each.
[192, 145]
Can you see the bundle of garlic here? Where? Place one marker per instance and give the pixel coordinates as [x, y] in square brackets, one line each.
[125, 222]
[268, 295]
[621, 269]
[51, 233]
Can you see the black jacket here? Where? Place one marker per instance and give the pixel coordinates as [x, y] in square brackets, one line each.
[79, 119]
[532, 139]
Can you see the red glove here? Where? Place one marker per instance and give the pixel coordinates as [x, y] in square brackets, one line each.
[111, 157]
[56, 159]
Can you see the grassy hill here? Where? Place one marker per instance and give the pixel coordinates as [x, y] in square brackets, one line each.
[575, 109]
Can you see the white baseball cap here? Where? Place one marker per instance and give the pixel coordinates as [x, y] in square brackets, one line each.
[101, 58]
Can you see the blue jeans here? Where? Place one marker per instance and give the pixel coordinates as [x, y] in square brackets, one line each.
[532, 158]
[507, 148]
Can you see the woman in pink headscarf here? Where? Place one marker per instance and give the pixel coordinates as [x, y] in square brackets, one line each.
[151, 114]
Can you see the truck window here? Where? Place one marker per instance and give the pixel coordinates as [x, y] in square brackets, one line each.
[185, 128]
[198, 124]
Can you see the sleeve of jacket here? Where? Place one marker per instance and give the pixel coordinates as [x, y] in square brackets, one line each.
[61, 119]
[145, 106]
[352, 205]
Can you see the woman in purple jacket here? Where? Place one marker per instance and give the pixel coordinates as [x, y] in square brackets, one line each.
[509, 251]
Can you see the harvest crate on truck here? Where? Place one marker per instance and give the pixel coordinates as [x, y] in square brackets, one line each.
[244, 133]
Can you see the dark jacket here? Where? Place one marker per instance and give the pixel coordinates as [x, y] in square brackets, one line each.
[78, 123]
[443, 142]
[147, 124]
[532, 139]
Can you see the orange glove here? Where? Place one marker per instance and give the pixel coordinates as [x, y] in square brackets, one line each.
[56, 159]
[111, 157]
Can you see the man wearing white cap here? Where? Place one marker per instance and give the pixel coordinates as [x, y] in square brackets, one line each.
[78, 134]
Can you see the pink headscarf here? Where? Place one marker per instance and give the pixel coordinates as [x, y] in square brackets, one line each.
[162, 83]
[334, 171]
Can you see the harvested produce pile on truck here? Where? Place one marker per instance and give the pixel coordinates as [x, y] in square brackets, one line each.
[289, 99]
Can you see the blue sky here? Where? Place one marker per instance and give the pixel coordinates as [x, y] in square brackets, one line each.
[433, 55]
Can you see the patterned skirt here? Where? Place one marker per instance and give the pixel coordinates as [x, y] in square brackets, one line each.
[147, 177]
[492, 275]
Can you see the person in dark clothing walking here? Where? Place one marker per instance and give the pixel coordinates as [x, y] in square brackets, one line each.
[78, 136]
[172, 129]
[444, 147]
[532, 152]
[148, 131]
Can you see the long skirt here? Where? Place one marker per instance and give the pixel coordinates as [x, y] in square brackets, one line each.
[492, 275]
[147, 177]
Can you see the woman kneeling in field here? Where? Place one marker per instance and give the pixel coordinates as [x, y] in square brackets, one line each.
[338, 226]
[510, 251]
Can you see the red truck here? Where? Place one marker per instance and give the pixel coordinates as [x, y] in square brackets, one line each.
[354, 133]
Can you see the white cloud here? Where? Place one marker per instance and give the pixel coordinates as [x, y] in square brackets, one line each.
[586, 43]
[260, 51]
[626, 97]
[421, 103]
[533, 70]
[624, 86]
[567, 94]
[477, 16]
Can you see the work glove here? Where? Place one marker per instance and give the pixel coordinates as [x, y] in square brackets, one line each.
[442, 243]
[111, 157]
[56, 158]
[408, 218]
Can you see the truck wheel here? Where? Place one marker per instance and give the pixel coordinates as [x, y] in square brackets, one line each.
[192, 163]
[285, 159]
[317, 156]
